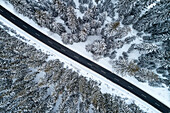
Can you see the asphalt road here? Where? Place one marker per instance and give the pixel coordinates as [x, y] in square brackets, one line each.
[75, 56]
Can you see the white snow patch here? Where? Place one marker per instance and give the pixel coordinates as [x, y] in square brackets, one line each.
[77, 3]
[58, 102]
[116, 17]
[58, 19]
[149, 7]
[152, 5]
[51, 89]
[94, 3]
[79, 14]
[91, 108]
[39, 76]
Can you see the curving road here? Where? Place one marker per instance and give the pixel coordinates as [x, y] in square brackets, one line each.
[75, 56]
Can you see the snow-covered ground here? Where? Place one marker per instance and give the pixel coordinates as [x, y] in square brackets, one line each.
[161, 94]
[106, 85]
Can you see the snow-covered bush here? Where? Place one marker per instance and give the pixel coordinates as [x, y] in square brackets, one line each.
[98, 48]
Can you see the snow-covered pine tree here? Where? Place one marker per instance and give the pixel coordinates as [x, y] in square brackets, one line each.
[15, 2]
[125, 67]
[86, 27]
[72, 19]
[70, 35]
[75, 38]
[98, 31]
[95, 24]
[83, 36]
[19, 6]
[96, 11]
[97, 48]
[119, 44]
[146, 75]
[102, 17]
[112, 28]
[88, 16]
[146, 48]
[129, 39]
[57, 28]
[93, 31]
[67, 38]
[60, 7]
[42, 18]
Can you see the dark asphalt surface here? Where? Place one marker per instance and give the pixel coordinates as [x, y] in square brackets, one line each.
[71, 54]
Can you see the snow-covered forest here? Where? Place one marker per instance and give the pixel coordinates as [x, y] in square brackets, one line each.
[31, 83]
[140, 26]
[130, 35]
